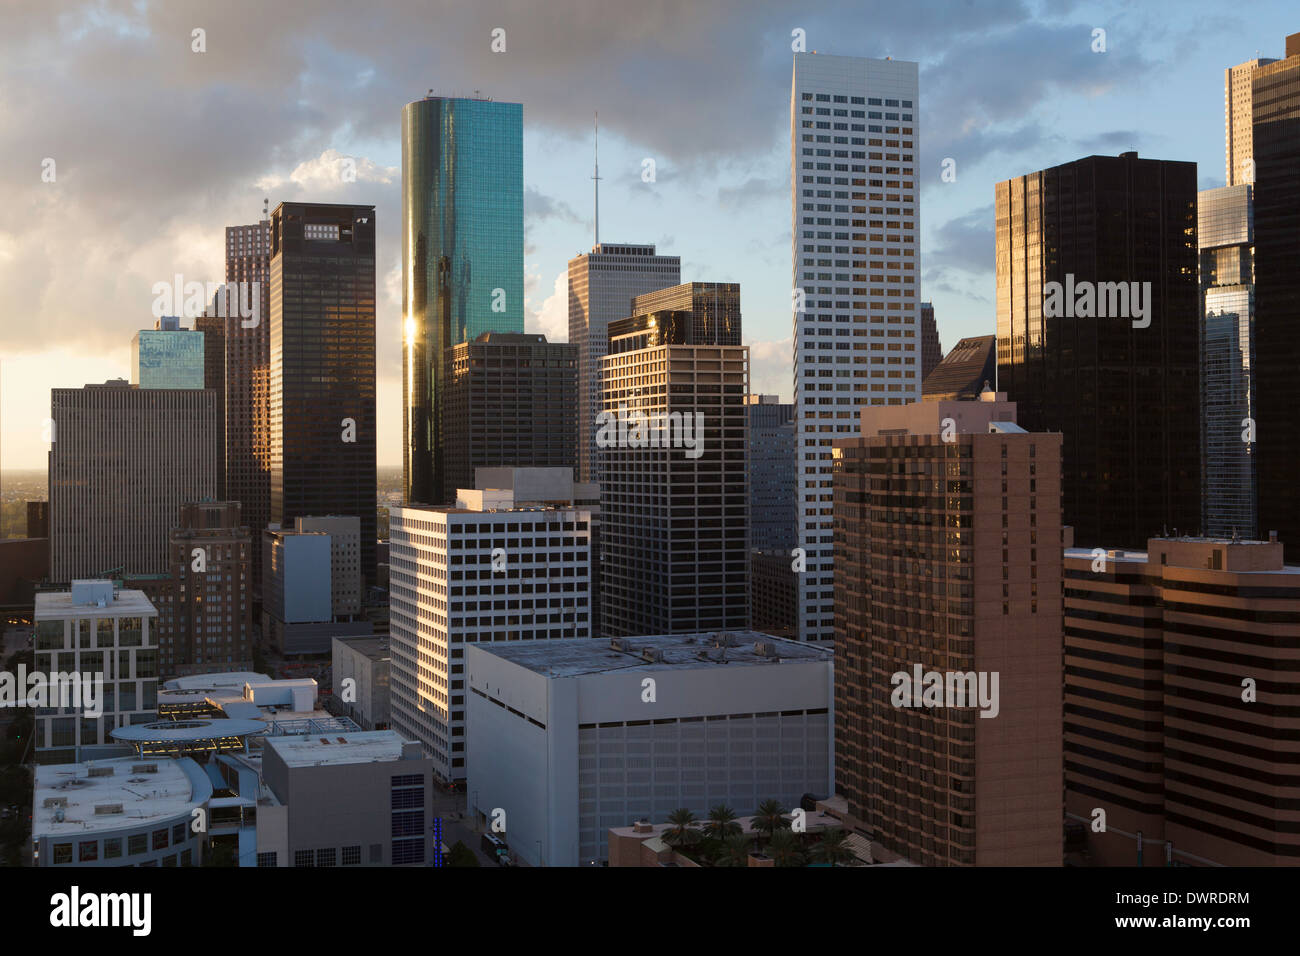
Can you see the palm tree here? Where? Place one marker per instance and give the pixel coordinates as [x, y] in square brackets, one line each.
[682, 832]
[832, 848]
[722, 822]
[735, 850]
[784, 848]
[769, 817]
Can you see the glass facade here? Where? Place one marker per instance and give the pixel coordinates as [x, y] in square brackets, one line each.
[1227, 360]
[462, 256]
[1276, 135]
[322, 366]
[1126, 399]
[167, 359]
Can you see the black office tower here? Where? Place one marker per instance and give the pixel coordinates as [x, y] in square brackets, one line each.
[322, 379]
[1098, 320]
[1275, 90]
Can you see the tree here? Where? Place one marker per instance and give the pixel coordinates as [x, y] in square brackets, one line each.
[735, 850]
[461, 855]
[784, 848]
[683, 831]
[832, 848]
[722, 822]
[769, 817]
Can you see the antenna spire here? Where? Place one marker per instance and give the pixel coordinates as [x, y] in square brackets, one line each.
[596, 176]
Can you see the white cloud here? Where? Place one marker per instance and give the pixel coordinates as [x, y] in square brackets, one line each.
[552, 319]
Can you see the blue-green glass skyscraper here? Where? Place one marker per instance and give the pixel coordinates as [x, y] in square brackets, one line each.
[167, 357]
[462, 256]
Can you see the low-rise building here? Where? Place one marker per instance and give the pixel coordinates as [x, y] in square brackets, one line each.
[365, 662]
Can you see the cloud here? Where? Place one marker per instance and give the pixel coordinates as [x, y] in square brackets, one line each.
[769, 367]
[552, 319]
[965, 242]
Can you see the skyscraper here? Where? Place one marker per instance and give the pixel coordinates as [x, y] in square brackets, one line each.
[931, 347]
[247, 351]
[462, 256]
[1276, 133]
[601, 286]
[122, 462]
[167, 356]
[510, 400]
[1097, 336]
[854, 139]
[948, 563]
[1238, 109]
[771, 464]
[322, 372]
[674, 503]
[1227, 271]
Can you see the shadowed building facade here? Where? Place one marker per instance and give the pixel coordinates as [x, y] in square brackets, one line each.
[1125, 398]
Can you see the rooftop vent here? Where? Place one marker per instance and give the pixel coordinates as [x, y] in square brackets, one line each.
[144, 768]
[100, 772]
[55, 802]
[766, 649]
[102, 809]
[652, 654]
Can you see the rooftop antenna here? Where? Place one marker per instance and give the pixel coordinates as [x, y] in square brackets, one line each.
[596, 176]
[266, 208]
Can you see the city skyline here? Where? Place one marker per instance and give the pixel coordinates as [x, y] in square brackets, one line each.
[1150, 96]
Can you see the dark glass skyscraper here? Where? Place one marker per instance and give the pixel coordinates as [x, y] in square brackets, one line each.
[1275, 90]
[322, 377]
[462, 256]
[1117, 234]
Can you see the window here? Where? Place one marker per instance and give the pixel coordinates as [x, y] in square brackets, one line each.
[63, 853]
[268, 859]
[88, 851]
[302, 858]
[160, 839]
[178, 833]
[376, 853]
[135, 844]
[113, 848]
[326, 857]
[352, 855]
[408, 851]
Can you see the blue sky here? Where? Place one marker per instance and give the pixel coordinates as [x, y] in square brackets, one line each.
[159, 147]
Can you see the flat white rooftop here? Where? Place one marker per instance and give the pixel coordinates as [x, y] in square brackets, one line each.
[570, 657]
[142, 796]
[58, 604]
[314, 750]
[197, 682]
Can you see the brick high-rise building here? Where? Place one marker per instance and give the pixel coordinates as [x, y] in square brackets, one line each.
[674, 501]
[947, 541]
[509, 399]
[1181, 702]
[322, 372]
[601, 286]
[1098, 325]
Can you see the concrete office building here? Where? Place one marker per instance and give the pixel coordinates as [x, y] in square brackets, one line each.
[770, 456]
[462, 256]
[674, 503]
[947, 564]
[357, 799]
[297, 593]
[107, 637]
[1227, 273]
[567, 739]
[366, 662]
[322, 371]
[602, 284]
[1162, 730]
[1097, 298]
[490, 569]
[509, 400]
[854, 141]
[167, 356]
[1238, 126]
[122, 462]
[345, 560]
[122, 811]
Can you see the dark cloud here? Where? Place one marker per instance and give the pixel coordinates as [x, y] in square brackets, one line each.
[965, 242]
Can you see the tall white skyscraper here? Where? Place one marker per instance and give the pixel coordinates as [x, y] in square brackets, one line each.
[856, 273]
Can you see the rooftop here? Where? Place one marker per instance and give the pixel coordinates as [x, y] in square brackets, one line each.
[52, 605]
[375, 648]
[125, 797]
[370, 746]
[571, 657]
